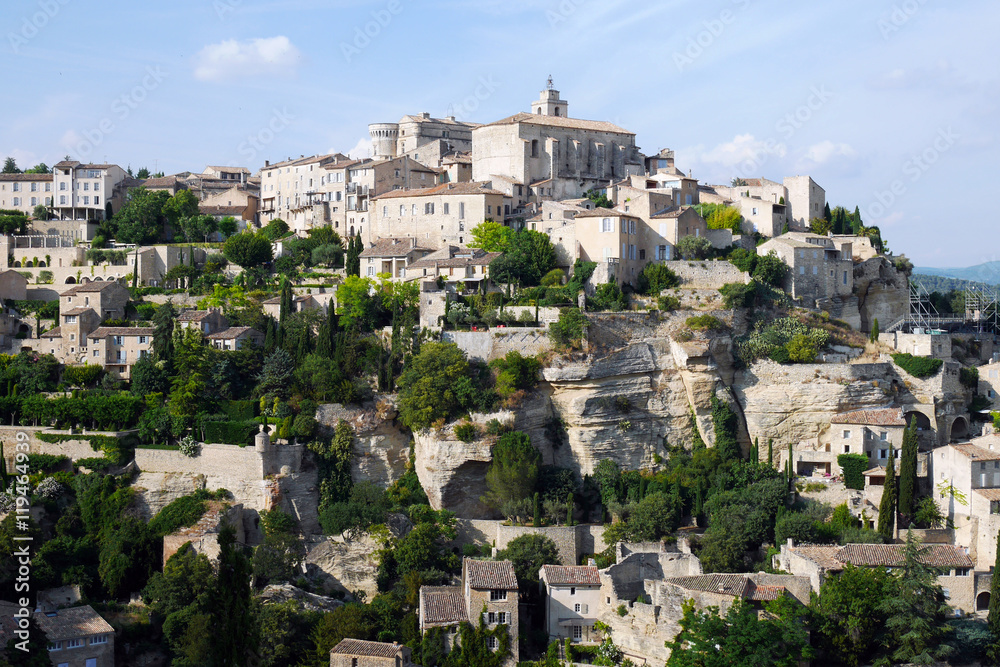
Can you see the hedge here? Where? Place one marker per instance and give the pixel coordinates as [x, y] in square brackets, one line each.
[854, 466]
[181, 513]
[239, 411]
[230, 432]
[111, 413]
[45, 462]
[97, 464]
[918, 367]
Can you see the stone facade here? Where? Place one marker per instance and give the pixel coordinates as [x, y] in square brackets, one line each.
[78, 637]
[707, 275]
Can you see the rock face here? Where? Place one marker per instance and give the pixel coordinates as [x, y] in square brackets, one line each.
[278, 593]
[381, 445]
[453, 473]
[347, 566]
[882, 291]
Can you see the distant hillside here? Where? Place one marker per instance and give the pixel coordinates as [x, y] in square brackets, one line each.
[988, 273]
[941, 284]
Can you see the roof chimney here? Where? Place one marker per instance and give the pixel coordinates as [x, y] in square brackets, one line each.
[267, 163]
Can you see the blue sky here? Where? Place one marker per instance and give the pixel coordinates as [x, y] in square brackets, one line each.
[891, 105]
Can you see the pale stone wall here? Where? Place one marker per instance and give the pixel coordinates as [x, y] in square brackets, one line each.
[212, 461]
[496, 343]
[707, 275]
[573, 541]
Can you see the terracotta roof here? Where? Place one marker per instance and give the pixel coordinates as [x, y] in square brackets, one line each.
[392, 248]
[878, 417]
[25, 177]
[240, 170]
[669, 214]
[79, 310]
[7, 623]
[365, 648]
[737, 585]
[570, 575]
[877, 471]
[72, 623]
[95, 286]
[604, 213]
[193, 315]
[470, 188]
[104, 332]
[889, 555]
[491, 574]
[452, 256]
[561, 121]
[54, 332]
[234, 332]
[162, 182]
[824, 556]
[442, 605]
[345, 164]
[300, 161]
[989, 494]
[977, 453]
[222, 210]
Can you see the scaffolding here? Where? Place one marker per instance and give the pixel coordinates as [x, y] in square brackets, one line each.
[981, 308]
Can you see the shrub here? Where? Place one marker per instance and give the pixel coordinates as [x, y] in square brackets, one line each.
[567, 332]
[553, 278]
[802, 349]
[668, 303]
[44, 462]
[743, 259]
[918, 367]
[738, 295]
[467, 432]
[969, 377]
[769, 336]
[655, 278]
[181, 513]
[854, 466]
[704, 322]
[622, 610]
[98, 464]
[189, 446]
[770, 269]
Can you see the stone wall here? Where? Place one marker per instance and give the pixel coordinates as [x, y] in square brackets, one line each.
[707, 275]
[496, 343]
[212, 461]
[73, 449]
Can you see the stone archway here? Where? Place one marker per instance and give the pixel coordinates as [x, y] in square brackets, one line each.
[71, 280]
[960, 429]
[923, 421]
[983, 601]
[85, 280]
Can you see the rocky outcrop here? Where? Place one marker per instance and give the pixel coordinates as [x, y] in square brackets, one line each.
[278, 593]
[346, 566]
[453, 473]
[883, 292]
[381, 445]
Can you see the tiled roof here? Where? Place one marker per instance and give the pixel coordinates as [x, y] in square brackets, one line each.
[669, 214]
[7, 623]
[72, 623]
[54, 332]
[193, 315]
[300, 161]
[442, 605]
[561, 121]
[365, 648]
[94, 286]
[572, 575]
[470, 188]
[604, 213]
[162, 182]
[737, 585]
[79, 310]
[234, 332]
[879, 417]
[25, 177]
[391, 248]
[491, 574]
[240, 170]
[824, 556]
[888, 555]
[989, 494]
[977, 453]
[104, 332]
[450, 256]
[222, 210]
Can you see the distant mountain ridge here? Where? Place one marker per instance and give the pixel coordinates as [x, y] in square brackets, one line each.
[988, 272]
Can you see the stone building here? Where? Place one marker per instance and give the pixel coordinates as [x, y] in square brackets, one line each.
[236, 338]
[288, 189]
[425, 139]
[83, 191]
[572, 600]
[23, 192]
[819, 269]
[488, 591]
[119, 348]
[390, 256]
[547, 145]
[617, 241]
[206, 321]
[82, 308]
[360, 653]
[453, 264]
[817, 562]
[78, 637]
[793, 202]
[435, 216]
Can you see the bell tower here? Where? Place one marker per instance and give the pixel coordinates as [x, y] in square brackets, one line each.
[548, 103]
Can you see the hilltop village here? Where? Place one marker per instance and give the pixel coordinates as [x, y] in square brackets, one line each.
[499, 394]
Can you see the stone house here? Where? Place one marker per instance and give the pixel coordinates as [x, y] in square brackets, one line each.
[82, 308]
[300, 302]
[119, 348]
[360, 653]
[547, 145]
[435, 216]
[13, 285]
[470, 266]
[488, 591]
[799, 196]
[82, 191]
[617, 241]
[236, 338]
[989, 382]
[817, 562]
[422, 137]
[287, 190]
[78, 637]
[390, 256]
[206, 321]
[23, 192]
[919, 344]
[819, 269]
[572, 600]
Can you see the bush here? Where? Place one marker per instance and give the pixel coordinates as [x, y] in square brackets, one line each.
[567, 332]
[45, 462]
[770, 269]
[918, 367]
[854, 466]
[969, 377]
[655, 278]
[704, 322]
[181, 513]
[668, 303]
[467, 432]
[743, 259]
[802, 349]
[229, 432]
[738, 295]
[769, 337]
[97, 464]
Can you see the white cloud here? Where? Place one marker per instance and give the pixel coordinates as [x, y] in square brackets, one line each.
[743, 148]
[362, 149]
[825, 151]
[231, 59]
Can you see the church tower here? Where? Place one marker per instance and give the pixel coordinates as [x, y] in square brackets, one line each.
[549, 104]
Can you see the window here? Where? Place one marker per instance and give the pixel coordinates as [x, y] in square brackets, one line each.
[413, 210]
[402, 209]
[802, 270]
[428, 209]
[17, 187]
[493, 643]
[445, 208]
[354, 662]
[385, 211]
[119, 340]
[631, 226]
[815, 270]
[962, 572]
[17, 201]
[74, 643]
[624, 227]
[55, 646]
[95, 353]
[883, 453]
[572, 590]
[847, 434]
[62, 186]
[98, 639]
[534, 148]
[578, 632]
[142, 340]
[606, 225]
[86, 201]
[86, 187]
[642, 253]
[62, 199]
[576, 607]
[34, 201]
[461, 210]
[498, 595]
[491, 618]
[502, 617]
[883, 435]
[371, 270]
[815, 254]
[847, 449]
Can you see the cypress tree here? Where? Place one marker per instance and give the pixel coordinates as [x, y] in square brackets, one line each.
[887, 508]
[875, 328]
[770, 451]
[856, 223]
[908, 470]
[826, 213]
[536, 515]
[993, 619]
[3, 471]
[570, 506]
[755, 451]
[269, 342]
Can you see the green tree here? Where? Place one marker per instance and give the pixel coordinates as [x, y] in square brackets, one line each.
[770, 269]
[492, 236]
[655, 278]
[842, 613]
[182, 205]
[993, 618]
[600, 198]
[693, 247]
[10, 166]
[512, 474]
[163, 331]
[40, 168]
[820, 226]
[887, 507]
[275, 229]
[141, 219]
[352, 260]
[40, 212]
[227, 226]
[427, 387]
[248, 249]
[529, 256]
[875, 331]
[274, 377]
[528, 553]
[567, 331]
[232, 618]
[908, 472]
[356, 304]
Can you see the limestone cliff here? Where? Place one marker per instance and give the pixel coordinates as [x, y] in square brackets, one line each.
[882, 291]
[381, 445]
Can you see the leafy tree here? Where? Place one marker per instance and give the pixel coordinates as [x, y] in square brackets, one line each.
[232, 617]
[163, 331]
[357, 307]
[528, 553]
[280, 557]
[275, 375]
[842, 613]
[40, 168]
[528, 258]
[182, 205]
[743, 259]
[600, 198]
[887, 507]
[248, 249]
[10, 166]
[427, 387]
[198, 227]
[141, 219]
[513, 472]
[908, 471]
[694, 247]
[40, 212]
[650, 520]
[770, 269]
[567, 331]
[820, 226]
[227, 226]
[275, 229]
[742, 637]
[143, 173]
[37, 653]
[655, 278]
[492, 236]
